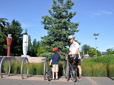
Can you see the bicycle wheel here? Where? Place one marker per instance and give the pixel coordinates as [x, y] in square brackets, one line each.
[49, 75]
[74, 74]
[65, 68]
[67, 71]
[45, 68]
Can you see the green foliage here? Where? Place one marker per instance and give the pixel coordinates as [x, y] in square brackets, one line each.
[110, 51]
[36, 68]
[99, 70]
[16, 31]
[111, 70]
[90, 68]
[108, 59]
[59, 26]
[29, 45]
[3, 35]
[92, 51]
[47, 55]
[41, 50]
[85, 48]
[98, 53]
[94, 69]
[32, 48]
[100, 66]
[86, 69]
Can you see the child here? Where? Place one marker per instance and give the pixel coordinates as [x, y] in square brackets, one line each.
[54, 61]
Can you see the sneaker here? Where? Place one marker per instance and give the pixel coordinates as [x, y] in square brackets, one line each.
[79, 79]
[56, 78]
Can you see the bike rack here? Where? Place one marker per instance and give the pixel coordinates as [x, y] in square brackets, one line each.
[2, 63]
[25, 58]
[45, 68]
[67, 71]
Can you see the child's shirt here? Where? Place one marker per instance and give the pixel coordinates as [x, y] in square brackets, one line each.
[55, 58]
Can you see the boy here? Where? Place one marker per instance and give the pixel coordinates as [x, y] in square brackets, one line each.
[54, 61]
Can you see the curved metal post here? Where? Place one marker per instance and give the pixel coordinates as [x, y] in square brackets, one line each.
[25, 58]
[67, 70]
[45, 68]
[1, 66]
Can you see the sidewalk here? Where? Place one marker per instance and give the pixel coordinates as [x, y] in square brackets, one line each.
[38, 80]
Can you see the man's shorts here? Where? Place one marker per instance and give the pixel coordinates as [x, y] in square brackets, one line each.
[55, 68]
[77, 60]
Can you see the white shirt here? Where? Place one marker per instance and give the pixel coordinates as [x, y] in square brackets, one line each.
[74, 47]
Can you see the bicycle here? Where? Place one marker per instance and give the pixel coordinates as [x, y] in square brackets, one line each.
[70, 69]
[49, 74]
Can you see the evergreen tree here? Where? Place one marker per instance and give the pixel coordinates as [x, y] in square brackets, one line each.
[3, 36]
[40, 49]
[35, 47]
[17, 36]
[29, 46]
[59, 26]
[35, 44]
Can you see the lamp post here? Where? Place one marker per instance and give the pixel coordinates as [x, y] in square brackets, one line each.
[96, 42]
[9, 40]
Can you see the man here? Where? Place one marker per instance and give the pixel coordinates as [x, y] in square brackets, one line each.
[74, 51]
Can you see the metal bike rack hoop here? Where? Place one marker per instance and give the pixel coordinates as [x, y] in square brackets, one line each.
[1, 66]
[25, 58]
[45, 68]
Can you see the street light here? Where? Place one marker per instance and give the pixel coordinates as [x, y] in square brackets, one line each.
[96, 41]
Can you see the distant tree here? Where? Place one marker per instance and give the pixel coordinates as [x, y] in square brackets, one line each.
[98, 53]
[92, 51]
[3, 36]
[35, 46]
[110, 51]
[17, 36]
[40, 49]
[85, 48]
[29, 45]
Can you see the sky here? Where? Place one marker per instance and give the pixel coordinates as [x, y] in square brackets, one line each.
[94, 16]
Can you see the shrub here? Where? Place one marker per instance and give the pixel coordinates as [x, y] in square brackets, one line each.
[111, 70]
[99, 70]
[86, 69]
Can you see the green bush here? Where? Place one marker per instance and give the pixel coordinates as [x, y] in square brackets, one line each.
[97, 67]
[99, 70]
[5, 67]
[86, 69]
[111, 70]
[36, 68]
[108, 59]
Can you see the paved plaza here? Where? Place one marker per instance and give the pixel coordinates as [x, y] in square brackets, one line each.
[38, 80]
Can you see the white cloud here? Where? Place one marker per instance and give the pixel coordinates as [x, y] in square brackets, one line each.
[98, 13]
[29, 25]
[25, 25]
[111, 47]
[106, 12]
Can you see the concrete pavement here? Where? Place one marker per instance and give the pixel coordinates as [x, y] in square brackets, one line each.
[38, 80]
